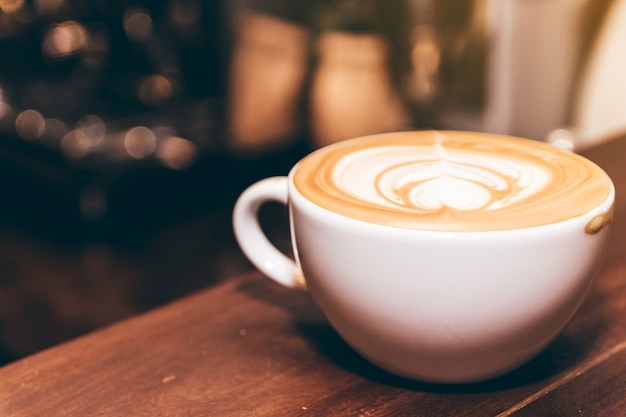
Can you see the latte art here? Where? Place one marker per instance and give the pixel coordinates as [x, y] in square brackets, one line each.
[431, 179]
[451, 181]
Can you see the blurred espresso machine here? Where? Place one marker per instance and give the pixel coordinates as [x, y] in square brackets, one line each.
[112, 113]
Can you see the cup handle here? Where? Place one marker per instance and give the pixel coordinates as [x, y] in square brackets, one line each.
[253, 241]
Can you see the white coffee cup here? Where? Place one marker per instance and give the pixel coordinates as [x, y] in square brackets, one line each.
[438, 280]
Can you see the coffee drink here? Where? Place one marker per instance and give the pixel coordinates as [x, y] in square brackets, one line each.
[453, 181]
[438, 255]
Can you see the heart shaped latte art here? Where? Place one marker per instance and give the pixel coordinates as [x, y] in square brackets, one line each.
[432, 179]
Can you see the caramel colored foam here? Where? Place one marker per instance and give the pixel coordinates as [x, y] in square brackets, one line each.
[452, 181]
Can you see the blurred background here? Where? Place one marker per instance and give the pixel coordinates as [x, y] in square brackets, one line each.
[128, 128]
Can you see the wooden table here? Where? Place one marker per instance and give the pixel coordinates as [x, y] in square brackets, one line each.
[251, 348]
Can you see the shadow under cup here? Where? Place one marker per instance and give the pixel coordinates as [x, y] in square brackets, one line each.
[434, 305]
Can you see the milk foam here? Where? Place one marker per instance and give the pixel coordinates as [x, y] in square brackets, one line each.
[430, 178]
[456, 181]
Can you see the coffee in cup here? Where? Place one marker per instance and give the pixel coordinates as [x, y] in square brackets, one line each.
[442, 256]
[453, 181]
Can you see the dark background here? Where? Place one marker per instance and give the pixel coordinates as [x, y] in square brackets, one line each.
[85, 241]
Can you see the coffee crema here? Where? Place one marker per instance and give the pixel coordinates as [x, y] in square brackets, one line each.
[452, 181]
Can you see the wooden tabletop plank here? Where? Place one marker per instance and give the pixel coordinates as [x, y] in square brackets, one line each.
[250, 347]
[599, 392]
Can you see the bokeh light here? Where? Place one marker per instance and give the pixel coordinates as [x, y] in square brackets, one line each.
[138, 24]
[92, 130]
[155, 90]
[88, 135]
[176, 152]
[73, 145]
[64, 39]
[140, 142]
[30, 124]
